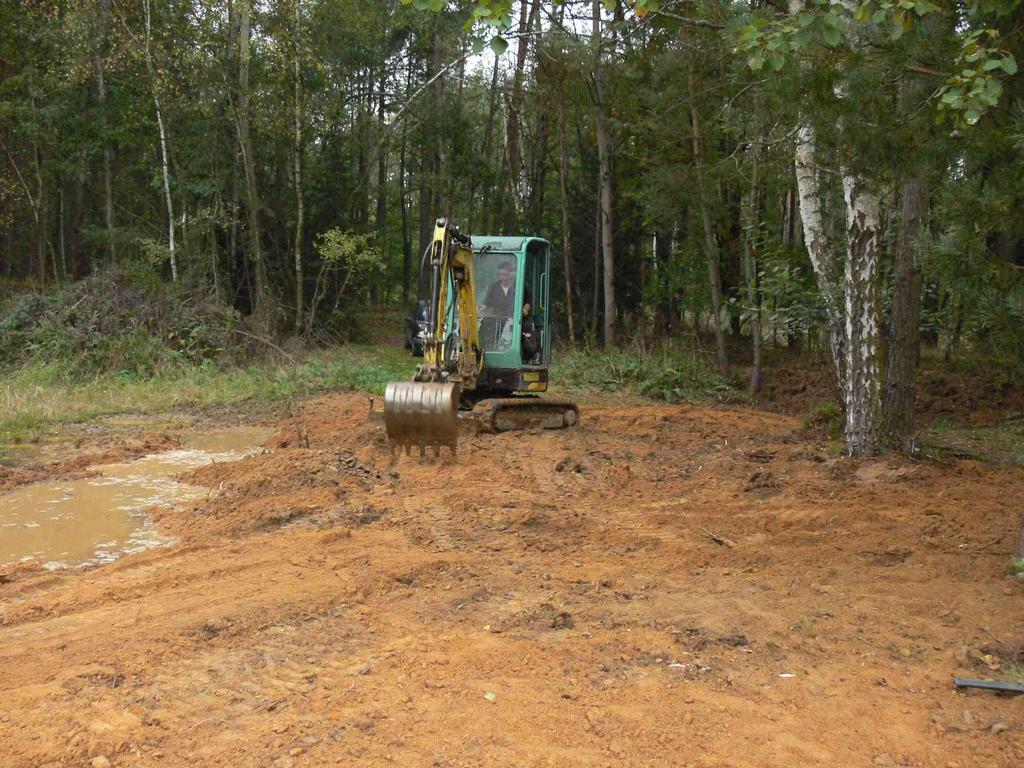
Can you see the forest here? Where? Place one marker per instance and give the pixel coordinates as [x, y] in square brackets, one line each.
[714, 458]
[835, 179]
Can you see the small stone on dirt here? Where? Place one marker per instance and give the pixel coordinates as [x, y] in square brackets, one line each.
[296, 751]
[735, 641]
[760, 480]
[359, 669]
[562, 621]
[568, 464]
[884, 759]
[490, 697]
[100, 762]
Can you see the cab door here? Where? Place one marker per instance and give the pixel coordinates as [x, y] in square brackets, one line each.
[536, 288]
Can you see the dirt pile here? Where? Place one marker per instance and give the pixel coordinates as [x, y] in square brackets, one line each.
[663, 585]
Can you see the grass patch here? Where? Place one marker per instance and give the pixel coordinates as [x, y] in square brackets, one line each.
[1002, 443]
[39, 396]
[36, 397]
[671, 376]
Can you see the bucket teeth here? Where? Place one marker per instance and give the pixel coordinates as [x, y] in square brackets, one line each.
[421, 414]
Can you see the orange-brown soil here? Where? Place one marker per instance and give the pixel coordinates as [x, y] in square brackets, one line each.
[661, 586]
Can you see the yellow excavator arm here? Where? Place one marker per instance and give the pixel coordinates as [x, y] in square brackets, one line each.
[451, 349]
[424, 411]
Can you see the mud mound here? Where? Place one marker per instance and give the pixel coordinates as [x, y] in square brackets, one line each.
[273, 489]
[334, 422]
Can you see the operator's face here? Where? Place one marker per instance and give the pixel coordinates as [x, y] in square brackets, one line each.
[505, 277]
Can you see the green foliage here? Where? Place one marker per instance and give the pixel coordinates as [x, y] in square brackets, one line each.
[790, 300]
[978, 85]
[770, 41]
[829, 416]
[123, 321]
[1018, 571]
[665, 375]
[351, 253]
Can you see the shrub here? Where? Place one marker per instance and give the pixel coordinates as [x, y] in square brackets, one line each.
[116, 320]
[662, 375]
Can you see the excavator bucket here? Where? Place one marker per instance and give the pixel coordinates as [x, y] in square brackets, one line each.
[422, 414]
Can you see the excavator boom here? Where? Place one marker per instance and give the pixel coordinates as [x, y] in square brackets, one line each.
[424, 412]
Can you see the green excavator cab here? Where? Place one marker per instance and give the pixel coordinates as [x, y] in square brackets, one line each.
[517, 347]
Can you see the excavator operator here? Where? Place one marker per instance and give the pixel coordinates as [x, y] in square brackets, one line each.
[501, 296]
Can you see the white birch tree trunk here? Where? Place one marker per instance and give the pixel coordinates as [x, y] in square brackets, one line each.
[163, 147]
[824, 261]
[863, 387]
[851, 294]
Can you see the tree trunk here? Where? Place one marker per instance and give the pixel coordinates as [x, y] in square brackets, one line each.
[513, 151]
[62, 246]
[788, 218]
[404, 200]
[300, 202]
[563, 173]
[423, 198]
[439, 206]
[904, 338]
[488, 149]
[108, 174]
[78, 263]
[604, 152]
[595, 309]
[165, 165]
[751, 224]
[263, 309]
[382, 167]
[819, 246]
[863, 332]
[710, 240]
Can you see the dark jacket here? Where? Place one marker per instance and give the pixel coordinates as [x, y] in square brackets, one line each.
[500, 303]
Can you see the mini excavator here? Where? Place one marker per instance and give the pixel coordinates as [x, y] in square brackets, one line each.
[485, 354]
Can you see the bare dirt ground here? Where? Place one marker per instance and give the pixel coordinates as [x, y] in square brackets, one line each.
[550, 599]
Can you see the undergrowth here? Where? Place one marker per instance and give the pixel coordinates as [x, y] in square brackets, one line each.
[671, 376]
[122, 320]
[123, 341]
[38, 396]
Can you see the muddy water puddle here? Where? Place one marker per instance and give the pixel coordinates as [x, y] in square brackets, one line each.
[97, 519]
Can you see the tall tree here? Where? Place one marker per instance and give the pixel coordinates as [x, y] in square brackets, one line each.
[604, 148]
[154, 85]
[264, 309]
[711, 252]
